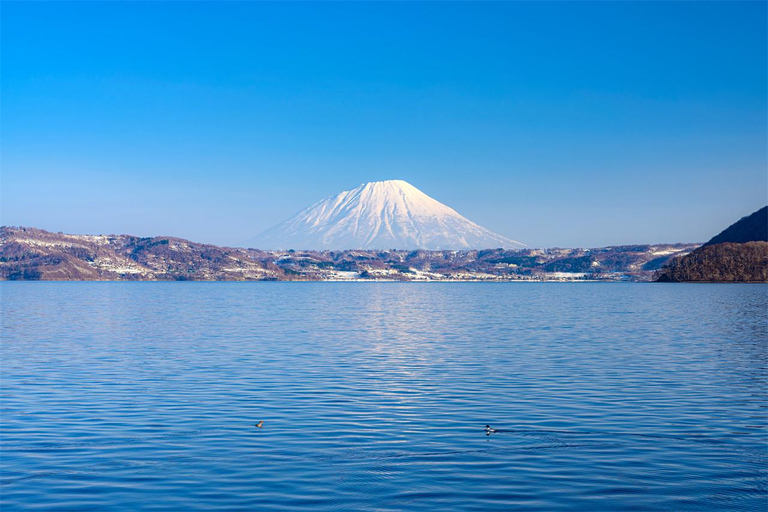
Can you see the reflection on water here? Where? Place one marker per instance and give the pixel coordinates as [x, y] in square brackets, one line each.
[375, 396]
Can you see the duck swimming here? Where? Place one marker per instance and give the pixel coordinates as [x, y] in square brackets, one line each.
[489, 430]
[260, 424]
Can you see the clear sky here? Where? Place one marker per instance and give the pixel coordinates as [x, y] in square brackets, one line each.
[556, 124]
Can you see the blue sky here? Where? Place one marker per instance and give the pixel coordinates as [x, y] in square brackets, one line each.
[556, 124]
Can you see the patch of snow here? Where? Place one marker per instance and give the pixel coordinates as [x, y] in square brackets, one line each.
[666, 251]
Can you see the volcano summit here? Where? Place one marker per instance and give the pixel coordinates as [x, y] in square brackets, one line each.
[380, 215]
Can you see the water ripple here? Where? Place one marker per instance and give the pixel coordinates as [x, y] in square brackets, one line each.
[374, 396]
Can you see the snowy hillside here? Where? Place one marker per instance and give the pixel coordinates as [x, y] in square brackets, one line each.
[380, 215]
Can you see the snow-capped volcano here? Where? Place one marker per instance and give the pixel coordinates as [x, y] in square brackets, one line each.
[380, 215]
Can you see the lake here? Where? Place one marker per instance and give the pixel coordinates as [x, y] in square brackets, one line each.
[374, 396]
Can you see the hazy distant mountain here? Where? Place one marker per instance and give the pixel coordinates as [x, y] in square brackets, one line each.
[738, 254]
[380, 215]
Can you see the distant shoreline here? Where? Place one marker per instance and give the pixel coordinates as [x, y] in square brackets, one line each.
[382, 281]
[30, 254]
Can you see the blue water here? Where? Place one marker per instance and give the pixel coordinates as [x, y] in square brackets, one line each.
[124, 396]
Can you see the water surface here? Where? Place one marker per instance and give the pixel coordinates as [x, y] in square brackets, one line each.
[374, 396]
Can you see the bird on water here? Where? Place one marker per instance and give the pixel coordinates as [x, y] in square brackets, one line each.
[260, 424]
[489, 430]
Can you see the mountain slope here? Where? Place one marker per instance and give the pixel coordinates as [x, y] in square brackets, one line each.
[34, 254]
[752, 228]
[378, 216]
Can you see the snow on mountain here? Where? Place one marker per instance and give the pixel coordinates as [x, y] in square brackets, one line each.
[380, 215]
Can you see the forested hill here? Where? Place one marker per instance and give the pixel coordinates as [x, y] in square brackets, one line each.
[738, 254]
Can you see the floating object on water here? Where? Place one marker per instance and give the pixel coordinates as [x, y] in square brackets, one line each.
[489, 430]
[260, 424]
